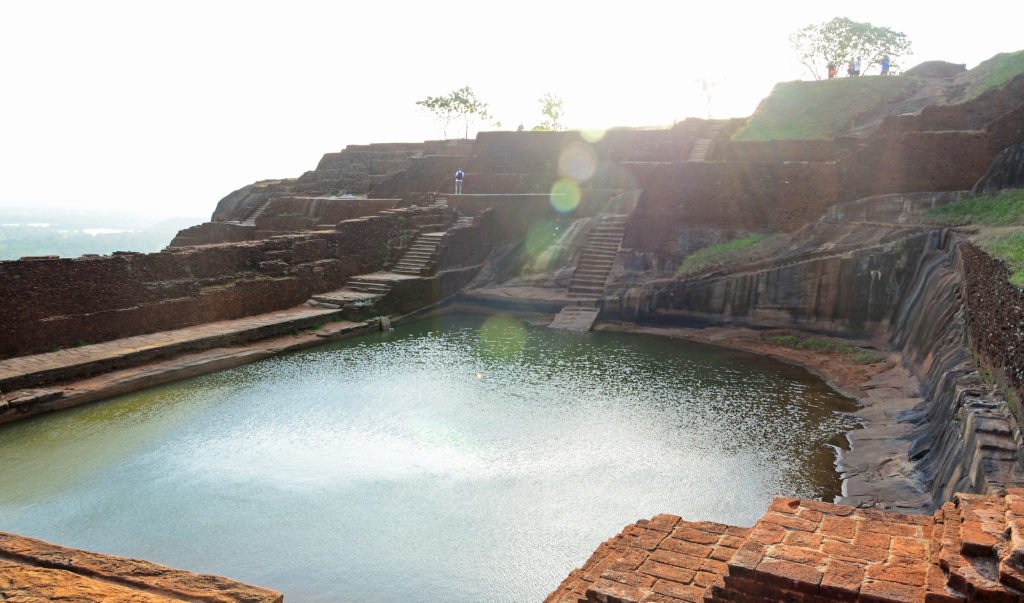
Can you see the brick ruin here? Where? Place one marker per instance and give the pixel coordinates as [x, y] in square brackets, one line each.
[374, 231]
[971, 549]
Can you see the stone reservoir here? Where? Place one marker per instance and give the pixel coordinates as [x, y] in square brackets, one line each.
[425, 463]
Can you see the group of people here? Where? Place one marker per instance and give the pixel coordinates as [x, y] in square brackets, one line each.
[853, 67]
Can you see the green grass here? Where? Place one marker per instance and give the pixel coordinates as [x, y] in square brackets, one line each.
[722, 253]
[823, 109]
[859, 355]
[1008, 247]
[1003, 209]
[994, 73]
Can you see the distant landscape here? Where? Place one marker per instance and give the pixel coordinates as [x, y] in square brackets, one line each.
[70, 233]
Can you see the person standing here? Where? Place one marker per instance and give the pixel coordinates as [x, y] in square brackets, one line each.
[856, 67]
[459, 176]
[832, 70]
[849, 69]
[885, 65]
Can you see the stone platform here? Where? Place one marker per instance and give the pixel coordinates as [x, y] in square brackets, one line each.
[33, 570]
[972, 549]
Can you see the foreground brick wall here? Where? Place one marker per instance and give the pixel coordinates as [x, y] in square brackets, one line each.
[807, 551]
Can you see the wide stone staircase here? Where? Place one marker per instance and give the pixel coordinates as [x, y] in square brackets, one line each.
[598, 257]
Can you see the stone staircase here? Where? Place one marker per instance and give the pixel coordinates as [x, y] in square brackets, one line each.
[422, 255]
[250, 220]
[598, 257]
[701, 146]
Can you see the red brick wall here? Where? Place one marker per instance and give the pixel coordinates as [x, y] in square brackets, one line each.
[63, 302]
[737, 196]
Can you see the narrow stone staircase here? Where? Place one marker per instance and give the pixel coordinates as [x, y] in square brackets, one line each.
[250, 220]
[422, 255]
[701, 146]
[597, 258]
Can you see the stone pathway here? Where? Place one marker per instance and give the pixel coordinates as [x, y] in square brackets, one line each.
[39, 369]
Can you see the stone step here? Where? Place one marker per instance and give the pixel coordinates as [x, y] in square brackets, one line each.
[368, 286]
[594, 291]
[575, 318]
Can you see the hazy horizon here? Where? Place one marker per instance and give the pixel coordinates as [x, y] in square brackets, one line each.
[165, 108]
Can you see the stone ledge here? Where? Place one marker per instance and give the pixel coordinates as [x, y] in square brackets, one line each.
[32, 569]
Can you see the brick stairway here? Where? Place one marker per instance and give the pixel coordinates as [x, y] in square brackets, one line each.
[972, 549]
[597, 258]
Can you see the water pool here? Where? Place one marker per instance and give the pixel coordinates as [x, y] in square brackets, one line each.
[461, 458]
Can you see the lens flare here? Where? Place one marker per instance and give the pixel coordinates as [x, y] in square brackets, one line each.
[540, 236]
[577, 161]
[565, 195]
[502, 336]
[592, 136]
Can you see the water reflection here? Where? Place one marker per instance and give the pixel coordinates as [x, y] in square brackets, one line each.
[451, 460]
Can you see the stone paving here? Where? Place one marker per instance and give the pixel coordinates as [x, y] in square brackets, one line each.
[972, 549]
[33, 570]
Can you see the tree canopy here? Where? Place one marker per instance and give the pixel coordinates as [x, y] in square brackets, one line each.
[551, 109]
[457, 104]
[841, 40]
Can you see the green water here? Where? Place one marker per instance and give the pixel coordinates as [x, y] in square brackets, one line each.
[457, 459]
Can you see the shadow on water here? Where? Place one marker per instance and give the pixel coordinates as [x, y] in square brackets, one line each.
[460, 458]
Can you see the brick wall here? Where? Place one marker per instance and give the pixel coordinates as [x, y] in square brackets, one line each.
[64, 302]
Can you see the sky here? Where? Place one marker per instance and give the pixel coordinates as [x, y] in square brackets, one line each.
[162, 108]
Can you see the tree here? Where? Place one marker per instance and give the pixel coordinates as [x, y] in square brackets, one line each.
[551, 109]
[840, 40]
[457, 104]
[706, 88]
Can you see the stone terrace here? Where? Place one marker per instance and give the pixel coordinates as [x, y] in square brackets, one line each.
[972, 549]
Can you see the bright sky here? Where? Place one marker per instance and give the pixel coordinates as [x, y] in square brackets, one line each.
[165, 107]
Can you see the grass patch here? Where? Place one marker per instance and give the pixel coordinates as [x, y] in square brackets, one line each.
[859, 355]
[994, 73]
[1003, 209]
[723, 253]
[823, 109]
[1005, 213]
[1008, 247]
